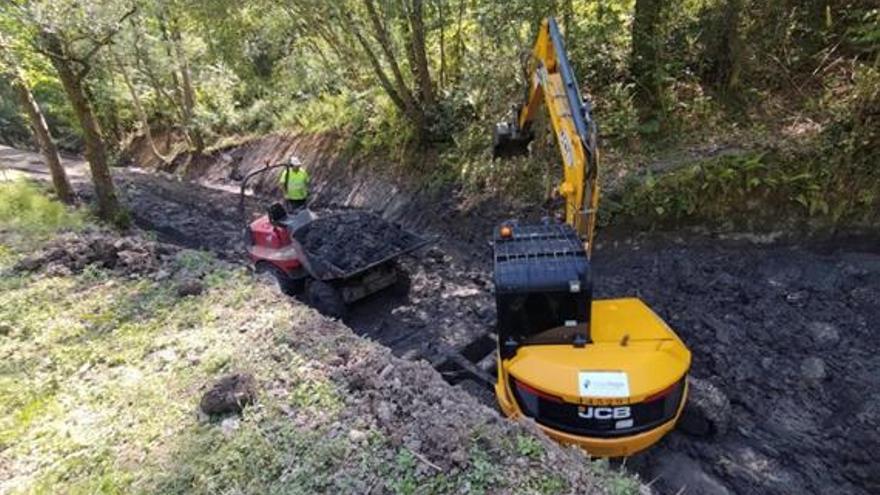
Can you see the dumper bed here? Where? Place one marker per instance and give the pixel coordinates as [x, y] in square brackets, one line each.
[346, 244]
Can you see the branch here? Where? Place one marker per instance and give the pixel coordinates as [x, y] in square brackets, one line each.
[106, 40]
[385, 43]
[48, 53]
[380, 74]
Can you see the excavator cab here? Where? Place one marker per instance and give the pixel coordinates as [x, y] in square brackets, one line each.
[608, 375]
[542, 287]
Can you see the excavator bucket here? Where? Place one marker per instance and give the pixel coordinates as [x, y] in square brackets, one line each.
[508, 141]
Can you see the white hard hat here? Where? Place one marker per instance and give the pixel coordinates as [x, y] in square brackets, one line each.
[295, 161]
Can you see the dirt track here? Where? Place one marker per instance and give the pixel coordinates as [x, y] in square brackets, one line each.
[790, 336]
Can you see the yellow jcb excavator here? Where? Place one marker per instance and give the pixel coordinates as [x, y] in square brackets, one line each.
[608, 375]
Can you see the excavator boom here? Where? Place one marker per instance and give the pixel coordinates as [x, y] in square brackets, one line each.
[553, 84]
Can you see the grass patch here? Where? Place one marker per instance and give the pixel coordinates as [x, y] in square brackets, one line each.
[25, 207]
[101, 375]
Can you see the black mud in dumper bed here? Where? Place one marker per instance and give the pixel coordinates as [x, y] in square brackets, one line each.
[353, 255]
[331, 259]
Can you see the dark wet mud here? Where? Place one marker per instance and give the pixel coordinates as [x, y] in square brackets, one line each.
[790, 335]
[354, 240]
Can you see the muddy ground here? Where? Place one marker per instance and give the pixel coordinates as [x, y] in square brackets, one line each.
[791, 337]
[789, 334]
[333, 413]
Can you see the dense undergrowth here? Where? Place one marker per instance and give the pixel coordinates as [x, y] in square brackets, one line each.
[27, 209]
[727, 72]
[822, 183]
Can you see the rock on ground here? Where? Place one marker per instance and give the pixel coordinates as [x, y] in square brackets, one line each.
[813, 370]
[190, 287]
[824, 335]
[707, 411]
[229, 395]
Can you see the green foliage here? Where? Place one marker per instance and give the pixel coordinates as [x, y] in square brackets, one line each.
[13, 126]
[59, 115]
[529, 446]
[26, 207]
[865, 30]
[793, 189]
[725, 69]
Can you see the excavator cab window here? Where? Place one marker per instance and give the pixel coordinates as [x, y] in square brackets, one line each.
[541, 318]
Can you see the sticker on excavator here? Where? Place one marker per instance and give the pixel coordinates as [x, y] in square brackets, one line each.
[567, 150]
[603, 384]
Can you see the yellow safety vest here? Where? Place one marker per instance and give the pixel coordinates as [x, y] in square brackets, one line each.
[295, 184]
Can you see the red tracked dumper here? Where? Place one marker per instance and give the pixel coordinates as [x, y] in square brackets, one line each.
[334, 259]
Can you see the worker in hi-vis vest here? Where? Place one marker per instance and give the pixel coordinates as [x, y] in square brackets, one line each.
[294, 182]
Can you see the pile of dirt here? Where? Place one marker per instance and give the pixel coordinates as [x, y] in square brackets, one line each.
[353, 240]
[446, 429]
[73, 252]
[229, 394]
[408, 402]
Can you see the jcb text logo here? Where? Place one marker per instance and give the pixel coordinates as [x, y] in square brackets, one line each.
[604, 412]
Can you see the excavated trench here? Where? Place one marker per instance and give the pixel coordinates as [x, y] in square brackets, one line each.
[789, 334]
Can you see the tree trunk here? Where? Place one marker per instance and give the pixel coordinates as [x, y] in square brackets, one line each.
[420, 56]
[459, 41]
[146, 67]
[645, 59]
[399, 92]
[381, 34]
[386, 84]
[189, 95]
[175, 81]
[441, 79]
[139, 109]
[96, 151]
[44, 139]
[734, 46]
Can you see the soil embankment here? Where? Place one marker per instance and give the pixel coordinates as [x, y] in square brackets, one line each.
[109, 342]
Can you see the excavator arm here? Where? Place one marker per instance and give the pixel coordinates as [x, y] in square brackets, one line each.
[552, 83]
